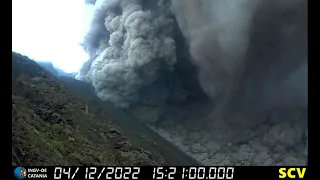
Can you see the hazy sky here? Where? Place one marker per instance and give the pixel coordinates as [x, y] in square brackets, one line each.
[51, 30]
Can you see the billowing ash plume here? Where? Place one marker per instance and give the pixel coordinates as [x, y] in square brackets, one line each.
[252, 54]
[128, 46]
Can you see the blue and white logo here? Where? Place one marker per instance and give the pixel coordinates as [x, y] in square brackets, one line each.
[20, 172]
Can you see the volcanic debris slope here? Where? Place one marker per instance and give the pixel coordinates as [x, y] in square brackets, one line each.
[53, 125]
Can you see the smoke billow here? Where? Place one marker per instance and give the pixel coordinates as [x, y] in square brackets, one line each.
[251, 61]
[252, 55]
[128, 45]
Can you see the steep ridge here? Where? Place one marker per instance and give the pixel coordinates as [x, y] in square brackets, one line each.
[131, 125]
[52, 124]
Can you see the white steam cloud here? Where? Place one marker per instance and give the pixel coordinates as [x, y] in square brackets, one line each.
[128, 45]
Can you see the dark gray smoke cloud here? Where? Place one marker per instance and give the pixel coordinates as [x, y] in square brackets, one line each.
[128, 46]
[252, 54]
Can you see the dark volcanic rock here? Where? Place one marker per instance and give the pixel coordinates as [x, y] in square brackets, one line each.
[54, 125]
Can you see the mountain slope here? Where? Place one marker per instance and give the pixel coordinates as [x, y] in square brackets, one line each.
[132, 127]
[60, 121]
[48, 66]
[51, 125]
[54, 70]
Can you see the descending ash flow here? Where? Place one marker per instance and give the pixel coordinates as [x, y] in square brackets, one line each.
[252, 60]
[128, 45]
[251, 55]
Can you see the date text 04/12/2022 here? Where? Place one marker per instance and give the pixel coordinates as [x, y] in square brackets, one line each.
[97, 173]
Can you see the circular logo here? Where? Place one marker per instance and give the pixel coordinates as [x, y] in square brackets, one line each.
[20, 172]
